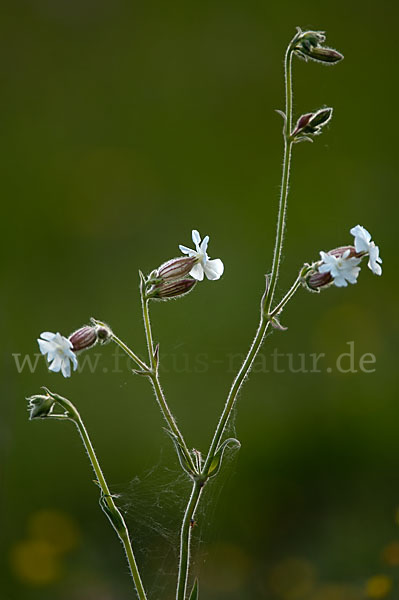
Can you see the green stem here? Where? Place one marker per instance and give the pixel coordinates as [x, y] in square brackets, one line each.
[148, 331]
[124, 347]
[185, 539]
[129, 352]
[285, 179]
[271, 284]
[122, 530]
[293, 289]
[235, 388]
[160, 396]
[154, 376]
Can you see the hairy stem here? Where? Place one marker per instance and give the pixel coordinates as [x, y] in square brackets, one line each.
[285, 180]
[129, 352]
[154, 376]
[270, 288]
[185, 538]
[291, 292]
[148, 331]
[113, 511]
[160, 396]
[235, 388]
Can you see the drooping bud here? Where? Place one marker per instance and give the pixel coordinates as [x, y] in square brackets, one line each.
[176, 268]
[171, 289]
[325, 55]
[40, 406]
[308, 44]
[312, 123]
[88, 336]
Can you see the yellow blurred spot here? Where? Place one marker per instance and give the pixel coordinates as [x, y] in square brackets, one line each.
[378, 586]
[336, 591]
[292, 579]
[35, 562]
[390, 554]
[227, 568]
[54, 527]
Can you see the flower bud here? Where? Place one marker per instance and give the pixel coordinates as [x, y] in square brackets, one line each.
[318, 280]
[302, 122]
[325, 55]
[88, 336]
[176, 268]
[83, 338]
[312, 123]
[308, 44]
[40, 406]
[171, 289]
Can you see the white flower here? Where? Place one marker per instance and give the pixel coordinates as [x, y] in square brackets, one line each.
[342, 268]
[213, 269]
[363, 243]
[59, 352]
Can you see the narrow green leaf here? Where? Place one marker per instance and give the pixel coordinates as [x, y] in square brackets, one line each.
[195, 591]
[218, 456]
[180, 453]
[114, 515]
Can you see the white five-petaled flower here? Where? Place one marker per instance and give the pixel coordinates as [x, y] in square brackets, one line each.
[213, 269]
[59, 352]
[363, 243]
[342, 268]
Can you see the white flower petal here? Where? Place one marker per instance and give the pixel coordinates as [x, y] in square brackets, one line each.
[342, 268]
[66, 368]
[185, 250]
[204, 244]
[47, 335]
[340, 281]
[45, 347]
[214, 269]
[56, 364]
[196, 237]
[59, 352]
[362, 238]
[197, 272]
[74, 361]
[374, 259]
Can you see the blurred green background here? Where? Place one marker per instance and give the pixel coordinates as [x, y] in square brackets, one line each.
[124, 125]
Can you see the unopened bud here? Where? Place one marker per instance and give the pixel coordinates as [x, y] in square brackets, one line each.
[302, 122]
[312, 123]
[176, 268]
[171, 289]
[40, 406]
[318, 280]
[88, 336]
[308, 44]
[325, 55]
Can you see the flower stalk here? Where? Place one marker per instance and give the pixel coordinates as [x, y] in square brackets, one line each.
[154, 377]
[106, 501]
[185, 539]
[288, 143]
